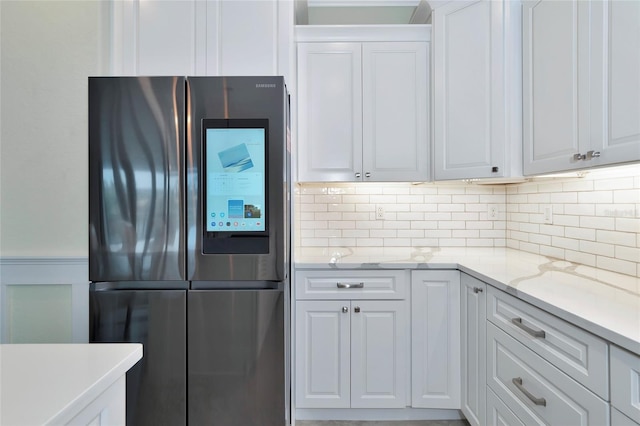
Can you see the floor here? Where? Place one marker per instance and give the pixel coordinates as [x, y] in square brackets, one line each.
[385, 423]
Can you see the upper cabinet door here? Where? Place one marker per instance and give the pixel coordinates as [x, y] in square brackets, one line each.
[551, 85]
[581, 84]
[329, 111]
[476, 90]
[395, 111]
[158, 37]
[195, 37]
[615, 81]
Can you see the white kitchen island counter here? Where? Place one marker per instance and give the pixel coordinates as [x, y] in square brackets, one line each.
[54, 384]
[604, 303]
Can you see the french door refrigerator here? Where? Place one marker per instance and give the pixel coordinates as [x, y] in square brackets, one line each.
[189, 203]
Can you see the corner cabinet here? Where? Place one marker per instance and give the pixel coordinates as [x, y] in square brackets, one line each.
[581, 84]
[477, 92]
[435, 339]
[363, 105]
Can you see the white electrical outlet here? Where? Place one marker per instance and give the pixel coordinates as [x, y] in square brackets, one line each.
[547, 214]
[492, 211]
[380, 212]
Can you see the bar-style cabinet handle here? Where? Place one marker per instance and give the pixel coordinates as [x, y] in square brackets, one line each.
[538, 401]
[531, 331]
[477, 290]
[350, 285]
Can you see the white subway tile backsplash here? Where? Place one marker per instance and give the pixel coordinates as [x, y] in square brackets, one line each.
[595, 197]
[565, 220]
[627, 196]
[597, 222]
[566, 243]
[617, 265]
[550, 251]
[631, 254]
[628, 225]
[580, 257]
[552, 230]
[617, 238]
[596, 218]
[602, 249]
[563, 197]
[580, 233]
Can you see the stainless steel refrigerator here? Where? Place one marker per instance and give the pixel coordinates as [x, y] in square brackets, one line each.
[189, 242]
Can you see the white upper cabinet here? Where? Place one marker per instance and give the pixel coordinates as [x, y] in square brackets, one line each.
[395, 118]
[477, 90]
[363, 109]
[581, 88]
[195, 37]
[329, 111]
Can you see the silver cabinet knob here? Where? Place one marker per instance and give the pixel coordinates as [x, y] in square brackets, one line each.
[578, 157]
[345, 309]
[368, 175]
[358, 175]
[356, 309]
[592, 154]
[477, 290]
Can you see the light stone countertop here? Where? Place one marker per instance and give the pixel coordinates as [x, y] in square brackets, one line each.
[604, 303]
[47, 383]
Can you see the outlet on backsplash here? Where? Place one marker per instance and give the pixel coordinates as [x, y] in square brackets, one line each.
[547, 214]
[379, 212]
[492, 211]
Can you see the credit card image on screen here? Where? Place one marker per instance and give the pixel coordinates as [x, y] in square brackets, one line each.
[235, 167]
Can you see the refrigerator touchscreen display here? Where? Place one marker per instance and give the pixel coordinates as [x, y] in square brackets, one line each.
[236, 175]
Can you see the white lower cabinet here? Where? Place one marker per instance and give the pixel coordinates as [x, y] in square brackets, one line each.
[435, 339]
[619, 419]
[323, 357]
[536, 391]
[498, 413]
[473, 350]
[625, 383]
[351, 354]
[575, 352]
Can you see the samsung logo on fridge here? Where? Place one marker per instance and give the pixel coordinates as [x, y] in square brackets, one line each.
[265, 86]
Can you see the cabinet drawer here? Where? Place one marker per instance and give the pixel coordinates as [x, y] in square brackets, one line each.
[625, 382]
[351, 284]
[576, 352]
[498, 413]
[619, 419]
[536, 391]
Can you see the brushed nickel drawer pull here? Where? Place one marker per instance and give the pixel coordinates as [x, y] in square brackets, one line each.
[538, 401]
[350, 285]
[531, 331]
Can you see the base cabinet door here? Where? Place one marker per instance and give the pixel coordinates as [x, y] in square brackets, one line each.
[378, 354]
[435, 339]
[473, 349]
[351, 354]
[323, 373]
